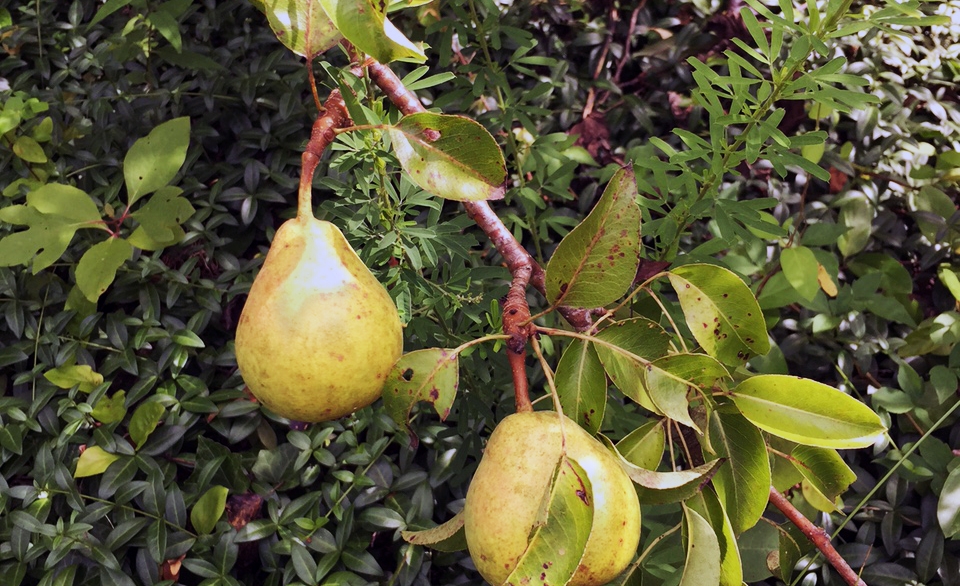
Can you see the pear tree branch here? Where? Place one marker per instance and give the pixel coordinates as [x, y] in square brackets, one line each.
[817, 536]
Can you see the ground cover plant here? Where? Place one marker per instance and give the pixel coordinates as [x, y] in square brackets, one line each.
[653, 216]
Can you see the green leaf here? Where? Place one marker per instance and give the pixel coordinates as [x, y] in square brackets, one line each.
[857, 216]
[82, 375]
[895, 279]
[453, 157]
[446, 537]
[98, 266]
[364, 23]
[948, 507]
[208, 509]
[11, 438]
[824, 469]
[108, 8]
[302, 26]
[94, 460]
[29, 150]
[65, 201]
[743, 482]
[950, 280]
[597, 261]
[721, 312]
[53, 214]
[582, 385]
[160, 219]
[664, 487]
[702, 565]
[708, 506]
[800, 266]
[167, 26]
[430, 375]
[643, 447]
[110, 409]
[555, 547]
[807, 412]
[153, 161]
[144, 420]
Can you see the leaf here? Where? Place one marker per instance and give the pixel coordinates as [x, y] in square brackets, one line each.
[153, 161]
[108, 8]
[110, 409]
[708, 506]
[670, 394]
[597, 261]
[721, 312]
[453, 157]
[144, 420]
[582, 385]
[950, 280]
[208, 509]
[948, 507]
[643, 447]
[302, 26]
[430, 375]
[53, 214]
[743, 482]
[98, 266]
[702, 565]
[66, 377]
[640, 337]
[800, 267]
[94, 460]
[160, 219]
[364, 23]
[664, 487]
[824, 469]
[807, 412]
[857, 216]
[446, 537]
[29, 150]
[556, 546]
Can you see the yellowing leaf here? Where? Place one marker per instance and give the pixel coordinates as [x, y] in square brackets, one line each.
[550, 557]
[449, 156]
[301, 25]
[209, 508]
[364, 23]
[144, 420]
[110, 409]
[721, 312]
[153, 161]
[449, 536]
[430, 375]
[826, 281]
[98, 266]
[66, 377]
[94, 460]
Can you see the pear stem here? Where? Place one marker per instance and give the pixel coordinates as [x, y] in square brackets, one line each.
[324, 132]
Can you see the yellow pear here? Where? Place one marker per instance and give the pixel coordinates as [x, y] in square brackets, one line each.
[318, 333]
[505, 496]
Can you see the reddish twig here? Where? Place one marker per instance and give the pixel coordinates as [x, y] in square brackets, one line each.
[817, 536]
[514, 255]
[335, 116]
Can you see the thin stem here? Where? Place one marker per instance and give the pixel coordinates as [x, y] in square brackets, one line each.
[126, 508]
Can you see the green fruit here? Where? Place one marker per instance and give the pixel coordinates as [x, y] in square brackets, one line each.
[318, 333]
[508, 488]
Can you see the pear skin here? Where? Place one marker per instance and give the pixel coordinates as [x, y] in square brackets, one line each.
[514, 474]
[318, 333]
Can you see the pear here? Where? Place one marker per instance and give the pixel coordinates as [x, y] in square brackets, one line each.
[506, 493]
[318, 333]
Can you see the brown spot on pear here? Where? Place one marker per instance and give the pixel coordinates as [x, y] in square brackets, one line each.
[504, 498]
[300, 345]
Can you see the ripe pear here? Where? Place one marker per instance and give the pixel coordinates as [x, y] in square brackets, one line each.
[505, 496]
[318, 333]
